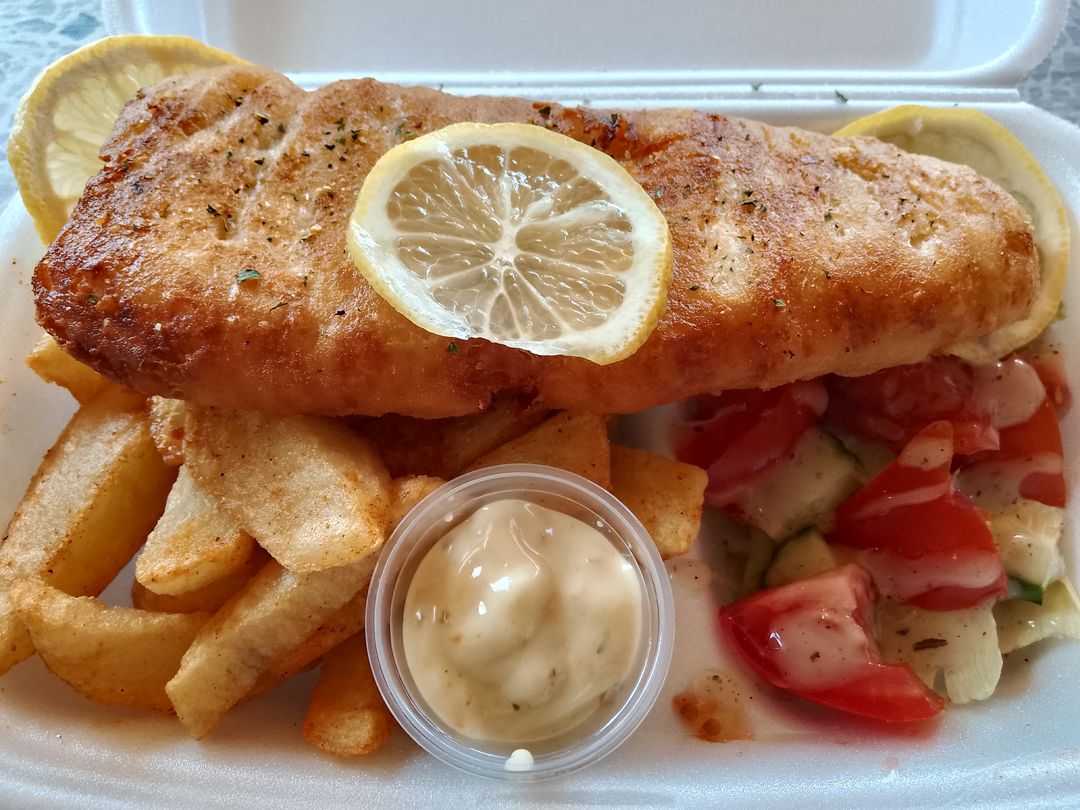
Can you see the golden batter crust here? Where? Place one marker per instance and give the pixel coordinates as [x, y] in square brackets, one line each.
[796, 254]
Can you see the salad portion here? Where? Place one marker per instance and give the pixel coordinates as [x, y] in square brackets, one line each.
[905, 529]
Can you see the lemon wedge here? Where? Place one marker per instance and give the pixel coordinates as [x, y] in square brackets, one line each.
[71, 108]
[514, 234]
[977, 140]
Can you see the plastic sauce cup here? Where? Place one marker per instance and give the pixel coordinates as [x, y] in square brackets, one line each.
[614, 721]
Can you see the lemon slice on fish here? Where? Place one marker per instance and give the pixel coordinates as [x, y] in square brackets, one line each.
[977, 140]
[514, 234]
[71, 108]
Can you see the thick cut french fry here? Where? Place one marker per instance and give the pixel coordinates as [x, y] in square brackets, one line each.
[273, 613]
[167, 418]
[314, 493]
[207, 599]
[114, 655]
[406, 492]
[576, 441]
[665, 495]
[89, 507]
[345, 622]
[445, 447]
[194, 544]
[346, 715]
[15, 643]
[54, 365]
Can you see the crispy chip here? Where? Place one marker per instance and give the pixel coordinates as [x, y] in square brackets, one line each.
[407, 491]
[576, 441]
[343, 623]
[89, 507]
[194, 544]
[444, 447]
[347, 715]
[312, 492]
[112, 655]
[54, 365]
[665, 495]
[207, 599]
[273, 613]
[167, 418]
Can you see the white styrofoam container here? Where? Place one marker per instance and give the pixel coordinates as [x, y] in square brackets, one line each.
[778, 62]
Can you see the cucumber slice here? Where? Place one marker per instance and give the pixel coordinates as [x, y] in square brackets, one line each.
[1018, 589]
[1021, 623]
[804, 555]
[959, 646]
[758, 554]
[872, 456]
[1027, 534]
[804, 489]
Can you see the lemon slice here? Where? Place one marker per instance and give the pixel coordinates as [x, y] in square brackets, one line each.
[977, 140]
[514, 234]
[71, 108]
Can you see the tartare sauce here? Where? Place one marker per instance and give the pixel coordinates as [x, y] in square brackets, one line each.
[519, 622]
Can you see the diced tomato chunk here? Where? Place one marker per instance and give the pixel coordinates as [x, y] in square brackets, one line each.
[1033, 450]
[1051, 370]
[892, 405]
[737, 435]
[925, 543]
[813, 638]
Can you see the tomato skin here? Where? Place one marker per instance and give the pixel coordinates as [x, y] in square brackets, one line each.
[891, 406]
[925, 543]
[1037, 438]
[812, 638]
[738, 435]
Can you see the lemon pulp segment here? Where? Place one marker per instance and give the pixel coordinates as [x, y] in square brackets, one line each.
[517, 235]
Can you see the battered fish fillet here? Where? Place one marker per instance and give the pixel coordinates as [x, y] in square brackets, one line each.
[796, 254]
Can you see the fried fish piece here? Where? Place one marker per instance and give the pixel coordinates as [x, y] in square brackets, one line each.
[795, 254]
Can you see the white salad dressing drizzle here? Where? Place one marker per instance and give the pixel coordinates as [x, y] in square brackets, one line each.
[887, 503]
[926, 453]
[1009, 390]
[900, 578]
[996, 483]
[819, 648]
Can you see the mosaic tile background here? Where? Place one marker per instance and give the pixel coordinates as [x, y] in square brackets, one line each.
[35, 32]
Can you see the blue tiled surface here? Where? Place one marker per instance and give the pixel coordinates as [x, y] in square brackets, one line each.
[33, 34]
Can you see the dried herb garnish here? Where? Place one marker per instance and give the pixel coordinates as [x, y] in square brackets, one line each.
[929, 644]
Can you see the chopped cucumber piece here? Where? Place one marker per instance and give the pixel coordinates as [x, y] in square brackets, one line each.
[1018, 589]
[758, 554]
[872, 456]
[960, 646]
[1027, 534]
[804, 555]
[802, 490]
[1021, 623]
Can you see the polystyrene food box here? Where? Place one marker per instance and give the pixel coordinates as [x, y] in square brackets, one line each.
[815, 65]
